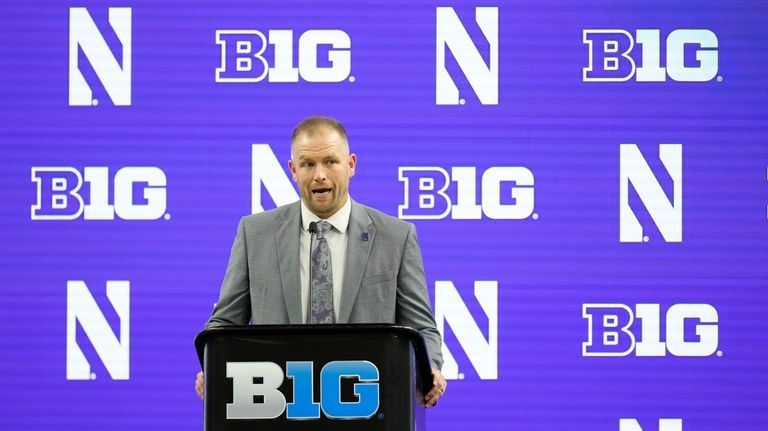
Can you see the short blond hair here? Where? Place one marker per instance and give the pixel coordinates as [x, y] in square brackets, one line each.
[310, 125]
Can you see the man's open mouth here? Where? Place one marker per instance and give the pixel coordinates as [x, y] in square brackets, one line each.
[321, 191]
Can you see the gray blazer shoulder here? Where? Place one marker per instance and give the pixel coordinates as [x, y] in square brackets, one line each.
[265, 221]
[385, 220]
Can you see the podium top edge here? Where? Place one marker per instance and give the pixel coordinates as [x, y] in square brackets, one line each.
[325, 329]
[355, 328]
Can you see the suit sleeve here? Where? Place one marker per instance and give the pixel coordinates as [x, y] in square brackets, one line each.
[413, 308]
[234, 305]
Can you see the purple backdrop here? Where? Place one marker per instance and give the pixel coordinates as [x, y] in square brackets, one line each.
[578, 219]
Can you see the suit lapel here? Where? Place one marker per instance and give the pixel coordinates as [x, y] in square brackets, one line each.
[287, 245]
[358, 251]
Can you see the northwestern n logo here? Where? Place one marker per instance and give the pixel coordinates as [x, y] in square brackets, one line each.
[85, 36]
[112, 349]
[666, 213]
[482, 77]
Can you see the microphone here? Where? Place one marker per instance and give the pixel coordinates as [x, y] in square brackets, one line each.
[312, 231]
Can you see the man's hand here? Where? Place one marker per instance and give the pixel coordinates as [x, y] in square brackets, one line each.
[200, 384]
[438, 388]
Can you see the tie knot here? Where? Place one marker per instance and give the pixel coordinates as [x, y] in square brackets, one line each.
[323, 227]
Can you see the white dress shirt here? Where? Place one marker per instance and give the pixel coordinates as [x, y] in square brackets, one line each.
[337, 241]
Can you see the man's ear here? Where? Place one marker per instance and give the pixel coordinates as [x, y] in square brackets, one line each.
[292, 168]
[352, 161]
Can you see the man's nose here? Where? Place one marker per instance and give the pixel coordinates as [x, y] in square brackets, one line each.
[319, 173]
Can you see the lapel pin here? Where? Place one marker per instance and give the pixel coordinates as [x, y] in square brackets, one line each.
[365, 236]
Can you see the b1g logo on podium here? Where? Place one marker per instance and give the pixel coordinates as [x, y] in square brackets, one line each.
[506, 193]
[691, 330]
[59, 194]
[244, 56]
[611, 58]
[269, 376]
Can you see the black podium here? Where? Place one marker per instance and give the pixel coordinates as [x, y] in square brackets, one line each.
[314, 377]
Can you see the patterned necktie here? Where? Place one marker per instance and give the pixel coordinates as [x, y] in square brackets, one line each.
[322, 278]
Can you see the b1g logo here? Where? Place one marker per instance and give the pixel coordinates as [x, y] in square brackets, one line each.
[691, 330]
[139, 193]
[244, 56]
[611, 56]
[269, 375]
[426, 193]
[85, 36]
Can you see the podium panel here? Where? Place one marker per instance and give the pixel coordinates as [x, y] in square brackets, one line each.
[314, 377]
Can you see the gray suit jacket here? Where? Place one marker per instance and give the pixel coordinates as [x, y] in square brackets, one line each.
[383, 279]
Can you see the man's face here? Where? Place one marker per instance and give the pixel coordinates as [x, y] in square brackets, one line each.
[322, 166]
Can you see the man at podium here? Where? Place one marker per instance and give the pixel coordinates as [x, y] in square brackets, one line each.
[327, 258]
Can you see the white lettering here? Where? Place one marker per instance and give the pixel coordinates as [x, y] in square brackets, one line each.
[451, 34]
[85, 36]
[450, 308]
[266, 171]
[667, 215]
[113, 350]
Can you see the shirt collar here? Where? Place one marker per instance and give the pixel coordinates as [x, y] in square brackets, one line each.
[340, 220]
